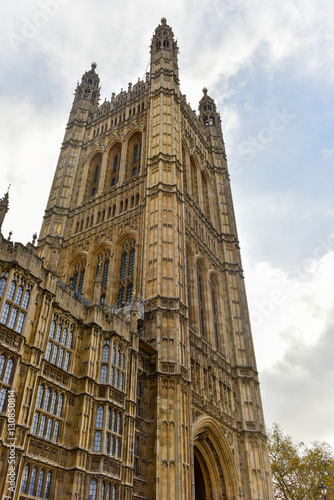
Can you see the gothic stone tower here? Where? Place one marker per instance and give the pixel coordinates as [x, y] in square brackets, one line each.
[139, 263]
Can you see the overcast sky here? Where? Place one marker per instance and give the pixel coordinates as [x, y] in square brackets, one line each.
[269, 67]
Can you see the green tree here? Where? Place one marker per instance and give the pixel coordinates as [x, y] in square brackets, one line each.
[297, 469]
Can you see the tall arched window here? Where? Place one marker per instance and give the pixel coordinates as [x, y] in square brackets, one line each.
[11, 290]
[201, 300]
[40, 396]
[114, 492]
[205, 192]
[127, 268]
[93, 176]
[40, 483]
[92, 490]
[133, 160]
[47, 488]
[18, 295]
[214, 299]
[79, 275]
[194, 181]
[25, 479]
[3, 281]
[2, 364]
[190, 288]
[8, 371]
[113, 166]
[32, 481]
[102, 272]
[184, 167]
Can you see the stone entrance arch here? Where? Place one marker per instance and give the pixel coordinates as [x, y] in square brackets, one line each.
[215, 474]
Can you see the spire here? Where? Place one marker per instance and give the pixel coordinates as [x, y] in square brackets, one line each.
[164, 48]
[4, 207]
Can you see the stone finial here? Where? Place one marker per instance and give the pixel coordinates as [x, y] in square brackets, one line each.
[4, 205]
[94, 66]
[205, 91]
[10, 235]
[34, 238]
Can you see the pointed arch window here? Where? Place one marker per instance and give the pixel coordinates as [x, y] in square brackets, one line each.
[127, 267]
[81, 280]
[79, 275]
[93, 176]
[25, 479]
[201, 301]
[194, 181]
[105, 272]
[57, 352]
[40, 484]
[18, 295]
[3, 393]
[40, 396]
[92, 490]
[8, 371]
[11, 290]
[60, 405]
[32, 481]
[26, 298]
[113, 166]
[11, 311]
[215, 313]
[184, 168]
[2, 364]
[205, 191]
[134, 150]
[3, 281]
[99, 417]
[47, 488]
[105, 352]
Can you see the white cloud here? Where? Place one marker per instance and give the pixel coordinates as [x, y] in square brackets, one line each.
[293, 326]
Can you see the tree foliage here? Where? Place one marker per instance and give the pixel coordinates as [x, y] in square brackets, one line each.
[297, 469]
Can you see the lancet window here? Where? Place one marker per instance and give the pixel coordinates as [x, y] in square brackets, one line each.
[127, 268]
[201, 300]
[36, 482]
[194, 181]
[94, 171]
[205, 192]
[60, 345]
[6, 370]
[113, 166]
[134, 149]
[215, 316]
[113, 365]
[108, 430]
[79, 275]
[17, 301]
[102, 272]
[103, 490]
[48, 414]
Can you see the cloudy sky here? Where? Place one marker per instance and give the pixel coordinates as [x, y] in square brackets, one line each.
[269, 66]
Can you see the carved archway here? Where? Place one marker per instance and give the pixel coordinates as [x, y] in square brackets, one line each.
[215, 474]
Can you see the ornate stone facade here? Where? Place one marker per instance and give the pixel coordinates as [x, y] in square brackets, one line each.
[125, 334]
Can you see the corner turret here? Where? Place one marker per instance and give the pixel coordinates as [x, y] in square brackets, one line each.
[87, 93]
[209, 116]
[164, 49]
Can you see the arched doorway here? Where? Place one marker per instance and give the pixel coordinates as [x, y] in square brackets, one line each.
[200, 492]
[215, 473]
